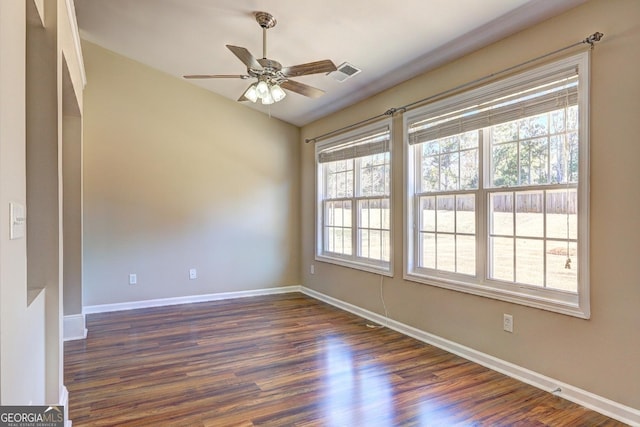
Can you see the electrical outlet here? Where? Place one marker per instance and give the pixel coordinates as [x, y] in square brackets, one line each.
[507, 322]
[312, 269]
[133, 279]
[193, 274]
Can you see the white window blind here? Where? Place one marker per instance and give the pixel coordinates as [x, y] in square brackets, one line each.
[375, 141]
[526, 98]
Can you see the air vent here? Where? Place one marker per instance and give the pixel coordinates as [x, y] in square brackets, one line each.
[344, 72]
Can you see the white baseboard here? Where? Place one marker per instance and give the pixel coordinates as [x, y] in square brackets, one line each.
[584, 398]
[103, 308]
[73, 327]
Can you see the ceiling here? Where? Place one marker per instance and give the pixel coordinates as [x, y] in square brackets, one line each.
[390, 41]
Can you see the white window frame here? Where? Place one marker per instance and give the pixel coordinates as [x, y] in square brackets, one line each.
[573, 304]
[353, 261]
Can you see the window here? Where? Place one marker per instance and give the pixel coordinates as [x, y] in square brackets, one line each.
[497, 189]
[354, 199]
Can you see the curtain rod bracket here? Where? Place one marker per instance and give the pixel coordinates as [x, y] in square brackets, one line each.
[392, 111]
[593, 38]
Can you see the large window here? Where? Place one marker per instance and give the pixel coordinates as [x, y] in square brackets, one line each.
[497, 183]
[354, 195]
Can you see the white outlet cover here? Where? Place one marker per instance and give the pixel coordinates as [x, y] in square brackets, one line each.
[507, 322]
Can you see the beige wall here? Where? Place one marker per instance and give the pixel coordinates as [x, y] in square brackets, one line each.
[14, 343]
[31, 362]
[176, 177]
[599, 355]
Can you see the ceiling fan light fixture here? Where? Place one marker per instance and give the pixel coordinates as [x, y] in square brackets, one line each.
[277, 93]
[268, 99]
[251, 94]
[262, 89]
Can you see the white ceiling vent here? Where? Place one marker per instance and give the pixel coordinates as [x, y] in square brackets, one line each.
[344, 71]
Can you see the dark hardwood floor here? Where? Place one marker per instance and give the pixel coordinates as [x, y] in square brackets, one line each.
[286, 360]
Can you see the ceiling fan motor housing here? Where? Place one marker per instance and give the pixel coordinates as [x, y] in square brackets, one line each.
[265, 20]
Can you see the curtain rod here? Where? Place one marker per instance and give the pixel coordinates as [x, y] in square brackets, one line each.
[590, 40]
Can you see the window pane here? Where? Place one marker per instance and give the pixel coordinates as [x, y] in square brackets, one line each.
[386, 213]
[363, 213]
[364, 243]
[504, 132]
[501, 258]
[431, 148]
[338, 240]
[347, 241]
[466, 213]
[342, 185]
[530, 262]
[374, 175]
[562, 215]
[430, 173]
[428, 214]
[501, 214]
[530, 214]
[449, 171]
[446, 257]
[330, 186]
[558, 159]
[505, 164]
[557, 124]
[561, 274]
[375, 214]
[373, 234]
[468, 139]
[572, 118]
[466, 254]
[533, 161]
[533, 126]
[428, 250]
[386, 245]
[446, 219]
[469, 170]
[449, 144]
[573, 156]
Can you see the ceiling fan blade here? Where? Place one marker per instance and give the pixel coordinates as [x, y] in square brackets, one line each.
[245, 56]
[216, 76]
[302, 89]
[324, 66]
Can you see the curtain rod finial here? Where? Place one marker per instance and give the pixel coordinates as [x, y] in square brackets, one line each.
[595, 37]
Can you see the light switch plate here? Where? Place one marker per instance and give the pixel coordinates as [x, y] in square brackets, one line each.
[18, 221]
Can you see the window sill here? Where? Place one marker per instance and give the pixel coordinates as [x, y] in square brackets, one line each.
[384, 270]
[555, 301]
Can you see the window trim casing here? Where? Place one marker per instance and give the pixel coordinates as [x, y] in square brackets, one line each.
[355, 262]
[577, 305]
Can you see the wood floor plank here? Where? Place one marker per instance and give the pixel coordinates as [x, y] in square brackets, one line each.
[286, 360]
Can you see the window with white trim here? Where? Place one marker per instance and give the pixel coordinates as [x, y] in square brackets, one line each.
[354, 199]
[497, 189]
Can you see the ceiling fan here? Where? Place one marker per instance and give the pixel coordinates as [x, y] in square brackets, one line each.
[271, 76]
